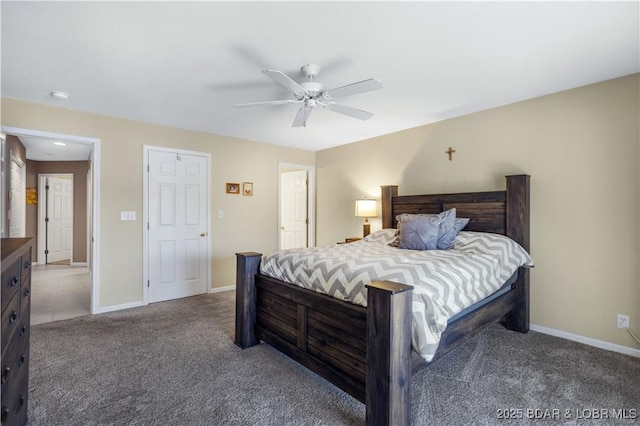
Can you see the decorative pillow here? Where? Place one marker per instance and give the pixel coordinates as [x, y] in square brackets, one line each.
[461, 222]
[450, 226]
[382, 236]
[419, 232]
[447, 231]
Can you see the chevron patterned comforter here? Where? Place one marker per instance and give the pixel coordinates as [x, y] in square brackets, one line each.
[445, 281]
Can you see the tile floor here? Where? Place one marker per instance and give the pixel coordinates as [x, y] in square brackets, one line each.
[59, 292]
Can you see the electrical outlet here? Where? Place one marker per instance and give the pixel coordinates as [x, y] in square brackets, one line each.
[623, 321]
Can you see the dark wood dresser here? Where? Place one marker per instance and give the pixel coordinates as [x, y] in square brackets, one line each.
[16, 292]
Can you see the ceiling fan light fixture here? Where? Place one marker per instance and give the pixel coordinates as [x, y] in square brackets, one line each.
[60, 95]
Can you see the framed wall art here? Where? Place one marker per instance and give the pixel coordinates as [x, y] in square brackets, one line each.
[247, 188]
[233, 188]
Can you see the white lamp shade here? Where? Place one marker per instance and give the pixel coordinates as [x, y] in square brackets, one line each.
[366, 208]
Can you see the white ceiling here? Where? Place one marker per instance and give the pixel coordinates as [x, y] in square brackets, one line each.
[49, 149]
[185, 64]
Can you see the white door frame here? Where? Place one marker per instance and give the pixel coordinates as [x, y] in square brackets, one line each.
[145, 214]
[95, 165]
[3, 184]
[311, 208]
[42, 200]
[13, 158]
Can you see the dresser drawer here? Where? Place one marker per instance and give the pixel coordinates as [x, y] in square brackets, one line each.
[25, 302]
[26, 265]
[14, 403]
[14, 362]
[10, 282]
[10, 320]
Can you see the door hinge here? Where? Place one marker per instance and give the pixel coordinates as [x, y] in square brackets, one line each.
[46, 219]
[46, 187]
[306, 221]
[46, 252]
[148, 284]
[147, 168]
[148, 226]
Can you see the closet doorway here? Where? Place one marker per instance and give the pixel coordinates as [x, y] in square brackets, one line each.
[296, 206]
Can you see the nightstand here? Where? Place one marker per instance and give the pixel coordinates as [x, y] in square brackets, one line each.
[350, 240]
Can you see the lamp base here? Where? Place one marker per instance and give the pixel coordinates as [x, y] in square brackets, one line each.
[366, 229]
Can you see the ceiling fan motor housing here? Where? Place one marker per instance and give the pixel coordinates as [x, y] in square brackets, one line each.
[312, 88]
[310, 70]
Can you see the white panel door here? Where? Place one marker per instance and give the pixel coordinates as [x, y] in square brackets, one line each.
[178, 188]
[293, 209]
[60, 218]
[17, 195]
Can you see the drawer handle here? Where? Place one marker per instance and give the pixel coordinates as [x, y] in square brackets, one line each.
[27, 264]
[23, 330]
[23, 358]
[14, 281]
[27, 292]
[13, 317]
[5, 374]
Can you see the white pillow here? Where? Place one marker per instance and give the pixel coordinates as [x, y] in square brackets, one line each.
[383, 236]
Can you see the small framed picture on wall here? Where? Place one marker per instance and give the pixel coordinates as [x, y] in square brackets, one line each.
[247, 188]
[233, 188]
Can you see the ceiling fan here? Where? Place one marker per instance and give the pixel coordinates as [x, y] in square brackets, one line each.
[312, 94]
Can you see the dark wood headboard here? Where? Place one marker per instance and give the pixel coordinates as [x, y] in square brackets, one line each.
[501, 212]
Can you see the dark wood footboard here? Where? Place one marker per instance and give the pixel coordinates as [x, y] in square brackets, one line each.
[364, 351]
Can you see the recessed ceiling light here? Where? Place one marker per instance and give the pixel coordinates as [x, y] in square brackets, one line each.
[60, 95]
[60, 143]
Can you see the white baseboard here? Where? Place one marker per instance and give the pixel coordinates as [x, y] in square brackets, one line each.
[78, 263]
[113, 308]
[586, 340]
[221, 289]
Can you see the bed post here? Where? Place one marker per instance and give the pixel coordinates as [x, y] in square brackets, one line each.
[388, 382]
[387, 192]
[246, 269]
[517, 205]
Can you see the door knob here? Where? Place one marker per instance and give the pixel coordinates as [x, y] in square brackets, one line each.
[282, 227]
[203, 234]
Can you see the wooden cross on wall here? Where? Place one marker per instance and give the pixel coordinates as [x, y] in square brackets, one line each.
[450, 151]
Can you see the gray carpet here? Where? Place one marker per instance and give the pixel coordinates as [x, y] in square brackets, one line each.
[174, 363]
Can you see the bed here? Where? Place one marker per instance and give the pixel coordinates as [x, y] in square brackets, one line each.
[367, 351]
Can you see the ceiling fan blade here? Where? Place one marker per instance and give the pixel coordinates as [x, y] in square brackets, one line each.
[284, 80]
[301, 117]
[251, 104]
[355, 88]
[351, 112]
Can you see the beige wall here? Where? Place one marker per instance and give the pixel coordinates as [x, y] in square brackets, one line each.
[581, 149]
[79, 170]
[250, 223]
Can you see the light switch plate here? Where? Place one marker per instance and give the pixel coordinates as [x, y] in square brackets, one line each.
[127, 215]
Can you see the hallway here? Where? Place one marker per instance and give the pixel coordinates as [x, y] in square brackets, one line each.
[59, 292]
